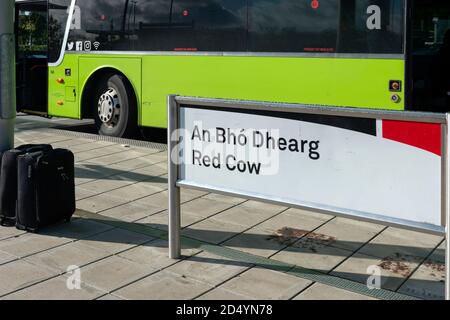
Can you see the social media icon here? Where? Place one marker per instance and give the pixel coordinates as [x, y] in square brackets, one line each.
[87, 46]
[70, 46]
[79, 45]
[96, 45]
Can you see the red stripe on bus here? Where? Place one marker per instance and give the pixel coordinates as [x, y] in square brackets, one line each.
[426, 136]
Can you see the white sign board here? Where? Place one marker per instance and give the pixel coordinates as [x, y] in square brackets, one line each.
[383, 168]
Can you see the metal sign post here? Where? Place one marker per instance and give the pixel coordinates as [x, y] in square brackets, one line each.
[446, 192]
[386, 167]
[7, 75]
[174, 190]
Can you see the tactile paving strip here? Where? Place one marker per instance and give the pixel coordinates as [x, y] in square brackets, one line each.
[130, 142]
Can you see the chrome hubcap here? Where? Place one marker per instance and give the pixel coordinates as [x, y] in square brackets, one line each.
[109, 107]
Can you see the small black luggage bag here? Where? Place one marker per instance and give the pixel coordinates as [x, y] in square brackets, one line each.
[46, 188]
[8, 180]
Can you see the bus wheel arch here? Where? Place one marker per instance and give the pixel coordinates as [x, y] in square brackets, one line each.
[110, 86]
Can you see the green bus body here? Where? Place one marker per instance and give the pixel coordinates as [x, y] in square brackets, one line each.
[400, 63]
[346, 82]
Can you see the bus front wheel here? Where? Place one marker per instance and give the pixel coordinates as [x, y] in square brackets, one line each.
[115, 109]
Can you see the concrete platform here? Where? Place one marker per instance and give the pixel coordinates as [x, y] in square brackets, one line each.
[233, 248]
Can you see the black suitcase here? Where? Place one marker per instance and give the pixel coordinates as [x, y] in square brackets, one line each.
[46, 188]
[8, 180]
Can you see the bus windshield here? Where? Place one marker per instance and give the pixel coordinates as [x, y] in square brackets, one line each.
[430, 55]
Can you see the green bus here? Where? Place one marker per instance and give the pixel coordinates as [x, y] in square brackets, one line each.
[116, 61]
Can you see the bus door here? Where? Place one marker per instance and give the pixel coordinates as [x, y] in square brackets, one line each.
[31, 56]
[429, 54]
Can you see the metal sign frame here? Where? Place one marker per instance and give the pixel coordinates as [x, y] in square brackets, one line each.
[175, 103]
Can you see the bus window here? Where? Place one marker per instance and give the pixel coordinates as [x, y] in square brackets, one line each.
[333, 26]
[430, 55]
[57, 20]
[149, 25]
[209, 25]
[102, 25]
[293, 26]
[161, 25]
[368, 26]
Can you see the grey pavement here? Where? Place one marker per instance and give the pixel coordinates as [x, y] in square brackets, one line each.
[118, 240]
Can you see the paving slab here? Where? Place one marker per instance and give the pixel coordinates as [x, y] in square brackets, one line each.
[394, 240]
[139, 190]
[156, 254]
[29, 243]
[109, 297]
[209, 268]
[439, 253]
[114, 272]
[264, 284]
[73, 254]
[136, 163]
[131, 212]
[6, 257]
[157, 157]
[81, 194]
[77, 146]
[55, 289]
[85, 173]
[160, 199]
[100, 203]
[104, 185]
[223, 198]
[223, 294]
[116, 240]
[275, 234]
[263, 206]
[8, 232]
[256, 241]
[91, 156]
[156, 169]
[160, 220]
[163, 285]
[296, 220]
[312, 254]
[246, 215]
[213, 231]
[394, 270]
[428, 281]
[50, 139]
[108, 157]
[20, 274]
[319, 291]
[349, 234]
[129, 176]
[203, 207]
[77, 229]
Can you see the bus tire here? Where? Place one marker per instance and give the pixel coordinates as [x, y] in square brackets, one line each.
[115, 111]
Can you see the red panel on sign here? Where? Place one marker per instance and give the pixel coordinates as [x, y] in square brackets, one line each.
[426, 136]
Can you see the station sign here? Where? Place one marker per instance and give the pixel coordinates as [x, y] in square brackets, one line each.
[389, 170]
